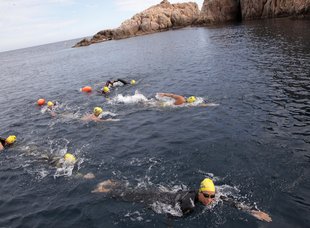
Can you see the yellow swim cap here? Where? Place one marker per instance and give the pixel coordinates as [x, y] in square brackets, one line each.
[207, 185]
[133, 82]
[106, 89]
[70, 158]
[11, 139]
[191, 99]
[50, 104]
[97, 111]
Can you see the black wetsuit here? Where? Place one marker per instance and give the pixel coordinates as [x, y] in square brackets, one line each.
[110, 83]
[185, 199]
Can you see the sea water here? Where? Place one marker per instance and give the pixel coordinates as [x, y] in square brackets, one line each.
[254, 141]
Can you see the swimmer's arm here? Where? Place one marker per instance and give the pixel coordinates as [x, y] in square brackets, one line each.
[178, 99]
[1, 147]
[90, 117]
[85, 118]
[256, 213]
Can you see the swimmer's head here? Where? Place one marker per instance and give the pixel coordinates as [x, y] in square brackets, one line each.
[11, 139]
[191, 99]
[97, 111]
[50, 104]
[133, 82]
[106, 89]
[207, 185]
[70, 158]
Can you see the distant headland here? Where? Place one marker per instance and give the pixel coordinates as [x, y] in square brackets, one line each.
[166, 16]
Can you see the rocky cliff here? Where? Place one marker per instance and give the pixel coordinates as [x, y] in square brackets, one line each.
[161, 17]
[217, 11]
[273, 8]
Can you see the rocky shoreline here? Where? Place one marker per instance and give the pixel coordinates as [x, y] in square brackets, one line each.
[166, 16]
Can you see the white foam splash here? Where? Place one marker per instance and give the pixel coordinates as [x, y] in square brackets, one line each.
[108, 113]
[66, 169]
[134, 216]
[136, 98]
[41, 174]
[162, 208]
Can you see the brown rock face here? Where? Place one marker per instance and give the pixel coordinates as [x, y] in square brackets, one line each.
[273, 8]
[161, 17]
[216, 11]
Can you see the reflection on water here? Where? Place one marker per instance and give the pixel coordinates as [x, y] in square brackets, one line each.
[254, 143]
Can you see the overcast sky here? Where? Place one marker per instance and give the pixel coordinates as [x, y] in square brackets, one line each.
[26, 23]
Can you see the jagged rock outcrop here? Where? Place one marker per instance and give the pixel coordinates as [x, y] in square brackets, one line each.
[161, 17]
[273, 8]
[217, 11]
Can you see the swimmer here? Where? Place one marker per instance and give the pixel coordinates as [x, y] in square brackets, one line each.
[96, 116]
[179, 100]
[51, 106]
[115, 83]
[185, 200]
[119, 82]
[65, 164]
[58, 161]
[4, 143]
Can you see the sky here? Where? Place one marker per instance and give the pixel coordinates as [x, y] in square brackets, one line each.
[26, 23]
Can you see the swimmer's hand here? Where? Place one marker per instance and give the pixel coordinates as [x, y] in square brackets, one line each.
[261, 215]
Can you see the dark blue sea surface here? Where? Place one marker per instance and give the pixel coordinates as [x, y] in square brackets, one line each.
[255, 144]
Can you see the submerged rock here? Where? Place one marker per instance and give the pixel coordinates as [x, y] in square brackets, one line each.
[161, 17]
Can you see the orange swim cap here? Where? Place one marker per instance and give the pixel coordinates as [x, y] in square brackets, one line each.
[41, 102]
[86, 89]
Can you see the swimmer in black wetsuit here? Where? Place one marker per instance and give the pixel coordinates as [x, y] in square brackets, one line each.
[184, 200]
[119, 82]
[114, 83]
[4, 143]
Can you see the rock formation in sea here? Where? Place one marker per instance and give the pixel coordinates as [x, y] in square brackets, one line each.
[161, 17]
[165, 16]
